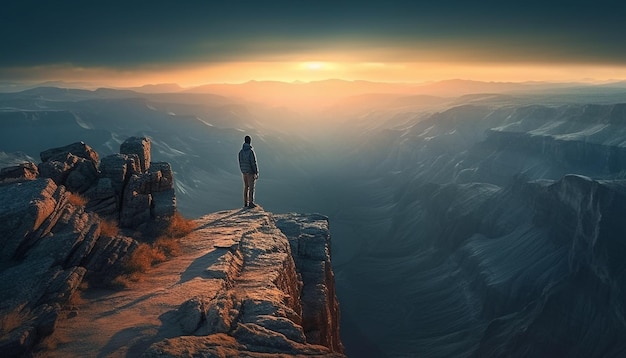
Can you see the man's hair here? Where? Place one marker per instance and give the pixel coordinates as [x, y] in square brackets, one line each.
[247, 139]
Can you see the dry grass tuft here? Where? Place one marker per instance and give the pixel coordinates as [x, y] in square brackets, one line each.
[163, 248]
[179, 226]
[76, 299]
[169, 246]
[10, 321]
[109, 228]
[76, 199]
[143, 258]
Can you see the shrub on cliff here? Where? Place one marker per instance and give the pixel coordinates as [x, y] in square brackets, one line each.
[166, 246]
[179, 227]
[76, 199]
[109, 228]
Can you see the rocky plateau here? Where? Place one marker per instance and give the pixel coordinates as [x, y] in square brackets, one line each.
[249, 283]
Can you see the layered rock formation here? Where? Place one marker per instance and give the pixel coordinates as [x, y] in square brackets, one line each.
[276, 294]
[50, 231]
[263, 291]
[49, 246]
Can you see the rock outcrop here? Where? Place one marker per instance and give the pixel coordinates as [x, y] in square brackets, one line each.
[50, 230]
[277, 292]
[126, 186]
[309, 239]
[269, 282]
[48, 247]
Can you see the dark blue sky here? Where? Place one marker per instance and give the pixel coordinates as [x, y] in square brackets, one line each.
[135, 34]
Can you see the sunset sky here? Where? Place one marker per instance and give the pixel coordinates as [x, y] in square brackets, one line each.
[128, 43]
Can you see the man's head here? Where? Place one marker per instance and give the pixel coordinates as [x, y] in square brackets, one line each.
[247, 139]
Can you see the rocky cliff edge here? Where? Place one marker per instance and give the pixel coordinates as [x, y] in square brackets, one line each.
[249, 283]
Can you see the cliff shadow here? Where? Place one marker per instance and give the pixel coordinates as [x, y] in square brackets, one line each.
[199, 266]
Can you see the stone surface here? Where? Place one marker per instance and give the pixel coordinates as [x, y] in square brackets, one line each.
[76, 173]
[103, 199]
[233, 292]
[139, 146]
[20, 172]
[136, 203]
[25, 206]
[119, 168]
[243, 294]
[78, 149]
[50, 242]
[259, 309]
[49, 247]
[309, 238]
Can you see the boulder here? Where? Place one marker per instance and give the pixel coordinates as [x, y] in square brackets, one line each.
[25, 207]
[103, 199]
[164, 180]
[139, 146]
[20, 172]
[79, 149]
[107, 258]
[163, 205]
[119, 168]
[76, 173]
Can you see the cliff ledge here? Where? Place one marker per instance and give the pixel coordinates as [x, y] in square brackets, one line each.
[247, 282]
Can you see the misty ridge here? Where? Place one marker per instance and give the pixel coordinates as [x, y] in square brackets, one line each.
[469, 219]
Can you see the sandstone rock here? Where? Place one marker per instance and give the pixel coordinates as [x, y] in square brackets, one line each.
[62, 285]
[191, 314]
[25, 207]
[18, 341]
[163, 205]
[48, 245]
[283, 326]
[258, 312]
[82, 176]
[20, 172]
[76, 173]
[139, 146]
[147, 198]
[103, 199]
[58, 170]
[52, 240]
[135, 210]
[257, 338]
[309, 238]
[221, 314]
[107, 258]
[165, 180]
[222, 345]
[78, 149]
[119, 168]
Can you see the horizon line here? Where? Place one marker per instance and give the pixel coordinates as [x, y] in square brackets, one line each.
[97, 85]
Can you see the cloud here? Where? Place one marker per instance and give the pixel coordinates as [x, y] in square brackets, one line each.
[133, 35]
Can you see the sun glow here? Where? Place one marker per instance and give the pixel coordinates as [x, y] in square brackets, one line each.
[313, 66]
[317, 66]
[195, 74]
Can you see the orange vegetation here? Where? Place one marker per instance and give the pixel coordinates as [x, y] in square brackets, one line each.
[164, 247]
[76, 199]
[109, 228]
[10, 321]
[179, 226]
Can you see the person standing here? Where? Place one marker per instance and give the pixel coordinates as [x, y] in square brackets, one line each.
[249, 171]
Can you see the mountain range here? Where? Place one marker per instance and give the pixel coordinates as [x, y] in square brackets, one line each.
[469, 219]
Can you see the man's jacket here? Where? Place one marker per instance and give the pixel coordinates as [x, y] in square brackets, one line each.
[247, 160]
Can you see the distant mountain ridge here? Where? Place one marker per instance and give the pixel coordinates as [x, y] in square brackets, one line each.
[430, 199]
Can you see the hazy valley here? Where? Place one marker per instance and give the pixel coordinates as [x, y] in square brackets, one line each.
[468, 219]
